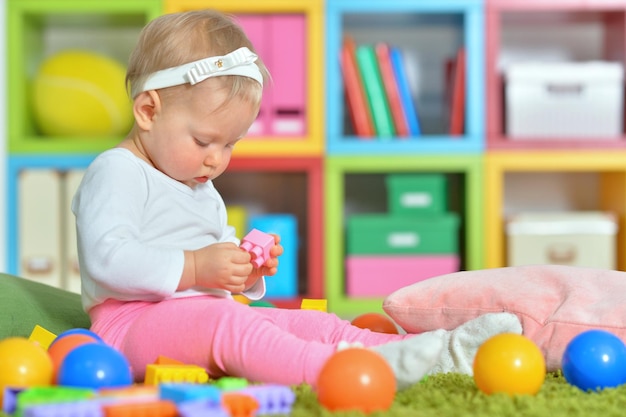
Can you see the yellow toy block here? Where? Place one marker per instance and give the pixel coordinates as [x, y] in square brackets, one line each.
[42, 337]
[311, 304]
[159, 374]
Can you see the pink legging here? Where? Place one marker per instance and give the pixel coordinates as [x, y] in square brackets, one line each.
[226, 337]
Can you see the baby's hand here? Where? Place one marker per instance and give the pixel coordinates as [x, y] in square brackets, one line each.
[222, 265]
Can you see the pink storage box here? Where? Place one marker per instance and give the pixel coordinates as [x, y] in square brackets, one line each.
[379, 276]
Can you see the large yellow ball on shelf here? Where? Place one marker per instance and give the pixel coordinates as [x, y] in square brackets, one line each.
[80, 93]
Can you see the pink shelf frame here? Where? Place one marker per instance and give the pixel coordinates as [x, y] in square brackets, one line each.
[312, 166]
[613, 15]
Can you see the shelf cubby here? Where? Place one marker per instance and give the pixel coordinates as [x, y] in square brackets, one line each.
[557, 31]
[608, 171]
[310, 143]
[353, 184]
[430, 34]
[39, 28]
[284, 185]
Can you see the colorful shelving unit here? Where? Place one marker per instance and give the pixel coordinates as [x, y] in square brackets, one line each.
[320, 170]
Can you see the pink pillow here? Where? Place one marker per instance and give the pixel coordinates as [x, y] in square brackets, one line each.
[554, 303]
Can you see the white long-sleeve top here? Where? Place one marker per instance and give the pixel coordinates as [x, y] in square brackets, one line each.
[133, 225]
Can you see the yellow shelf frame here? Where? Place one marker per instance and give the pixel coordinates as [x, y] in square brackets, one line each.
[609, 165]
[312, 144]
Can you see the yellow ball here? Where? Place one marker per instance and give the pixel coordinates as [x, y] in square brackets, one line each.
[81, 93]
[23, 364]
[509, 363]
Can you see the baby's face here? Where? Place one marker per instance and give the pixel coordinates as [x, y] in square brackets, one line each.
[192, 140]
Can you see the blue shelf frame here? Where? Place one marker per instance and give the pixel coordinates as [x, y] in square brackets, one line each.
[473, 141]
[16, 164]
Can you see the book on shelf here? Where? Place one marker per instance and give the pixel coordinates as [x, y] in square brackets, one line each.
[455, 81]
[390, 85]
[375, 91]
[404, 91]
[356, 99]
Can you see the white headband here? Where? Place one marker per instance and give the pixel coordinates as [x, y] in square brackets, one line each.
[238, 62]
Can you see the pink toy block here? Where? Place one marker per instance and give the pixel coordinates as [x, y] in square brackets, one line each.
[258, 244]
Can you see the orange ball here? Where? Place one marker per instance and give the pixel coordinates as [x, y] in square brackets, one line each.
[59, 348]
[23, 364]
[376, 323]
[356, 379]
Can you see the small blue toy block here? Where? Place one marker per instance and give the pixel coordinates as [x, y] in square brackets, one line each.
[201, 408]
[285, 283]
[9, 399]
[272, 399]
[179, 393]
[73, 409]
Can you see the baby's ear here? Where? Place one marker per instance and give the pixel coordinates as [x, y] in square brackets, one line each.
[145, 106]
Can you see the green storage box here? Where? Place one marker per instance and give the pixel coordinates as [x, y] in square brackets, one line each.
[378, 234]
[411, 194]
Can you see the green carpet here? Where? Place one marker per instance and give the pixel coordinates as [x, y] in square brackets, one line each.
[454, 395]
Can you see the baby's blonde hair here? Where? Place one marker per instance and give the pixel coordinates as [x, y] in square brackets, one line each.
[178, 38]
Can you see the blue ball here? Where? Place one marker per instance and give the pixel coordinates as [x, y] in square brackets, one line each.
[95, 366]
[594, 360]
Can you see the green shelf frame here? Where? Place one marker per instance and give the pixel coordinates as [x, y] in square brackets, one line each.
[337, 167]
[27, 24]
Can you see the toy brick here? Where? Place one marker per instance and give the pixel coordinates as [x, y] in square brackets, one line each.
[240, 405]
[164, 360]
[310, 304]
[258, 244]
[230, 383]
[179, 393]
[132, 393]
[160, 408]
[272, 399]
[9, 399]
[201, 408]
[157, 374]
[50, 395]
[42, 337]
[73, 409]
